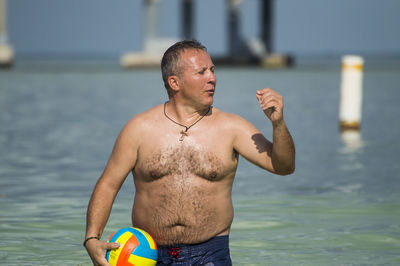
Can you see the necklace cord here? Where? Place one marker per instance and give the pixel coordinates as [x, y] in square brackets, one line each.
[186, 128]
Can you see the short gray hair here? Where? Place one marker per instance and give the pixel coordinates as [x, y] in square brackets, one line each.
[170, 62]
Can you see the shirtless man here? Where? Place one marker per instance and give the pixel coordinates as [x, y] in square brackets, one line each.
[183, 155]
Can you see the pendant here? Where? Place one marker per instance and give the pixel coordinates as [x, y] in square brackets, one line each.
[183, 134]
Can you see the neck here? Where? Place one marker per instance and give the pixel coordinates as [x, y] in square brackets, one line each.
[185, 114]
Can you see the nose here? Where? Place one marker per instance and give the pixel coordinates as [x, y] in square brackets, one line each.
[212, 77]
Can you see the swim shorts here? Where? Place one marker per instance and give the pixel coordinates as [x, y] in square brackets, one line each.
[214, 252]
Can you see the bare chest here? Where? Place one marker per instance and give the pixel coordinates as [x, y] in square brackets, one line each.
[184, 160]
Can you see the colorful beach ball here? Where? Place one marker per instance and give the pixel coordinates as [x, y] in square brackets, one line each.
[137, 248]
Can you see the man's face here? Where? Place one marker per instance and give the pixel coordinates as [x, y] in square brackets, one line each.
[198, 79]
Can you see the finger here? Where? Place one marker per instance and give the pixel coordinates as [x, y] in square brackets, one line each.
[264, 97]
[270, 95]
[113, 245]
[259, 96]
[262, 91]
[270, 105]
[270, 102]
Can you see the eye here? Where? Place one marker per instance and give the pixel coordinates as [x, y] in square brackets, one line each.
[202, 71]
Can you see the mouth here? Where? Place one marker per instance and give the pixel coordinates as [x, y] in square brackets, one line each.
[210, 92]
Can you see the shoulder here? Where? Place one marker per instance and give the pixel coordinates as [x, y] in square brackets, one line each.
[146, 117]
[219, 114]
[142, 122]
[233, 121]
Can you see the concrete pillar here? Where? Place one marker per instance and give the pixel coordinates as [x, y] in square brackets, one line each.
[267, 20]
[6, 50]
[151, 23]
[187, 19]
[234, 40]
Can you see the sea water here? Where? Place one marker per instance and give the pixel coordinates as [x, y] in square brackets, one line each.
[59, 120]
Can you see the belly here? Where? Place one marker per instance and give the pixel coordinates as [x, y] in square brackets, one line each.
[183, 211]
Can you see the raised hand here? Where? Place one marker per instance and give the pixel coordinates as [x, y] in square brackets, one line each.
[272, 104]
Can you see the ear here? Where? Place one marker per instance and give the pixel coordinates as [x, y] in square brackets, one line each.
[173, 82]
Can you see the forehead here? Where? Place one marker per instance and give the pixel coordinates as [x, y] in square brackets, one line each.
[195, 58]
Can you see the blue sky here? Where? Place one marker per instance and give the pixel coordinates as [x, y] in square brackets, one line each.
[103, 28]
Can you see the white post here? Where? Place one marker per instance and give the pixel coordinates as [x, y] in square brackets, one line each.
[351, 92]
[6, 51]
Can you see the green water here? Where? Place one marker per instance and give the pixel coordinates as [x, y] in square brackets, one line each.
[316, 230]
[304, 230]
[341, 207]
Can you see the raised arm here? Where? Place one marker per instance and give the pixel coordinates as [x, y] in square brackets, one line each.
[121, 162]
[277, 157]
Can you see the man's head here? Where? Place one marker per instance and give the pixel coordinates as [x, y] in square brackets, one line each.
[170, 63]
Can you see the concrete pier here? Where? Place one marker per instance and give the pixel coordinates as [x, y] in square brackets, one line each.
[6, 50]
